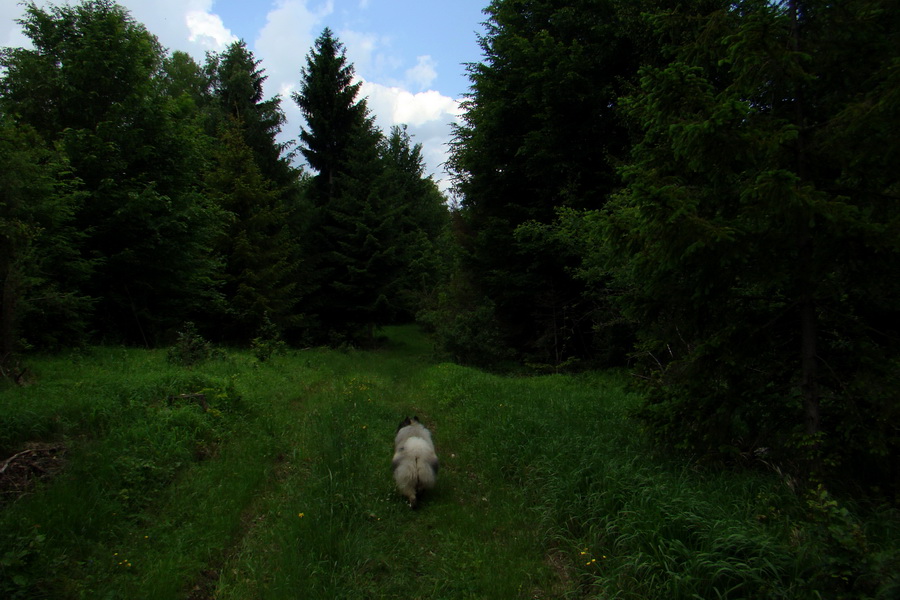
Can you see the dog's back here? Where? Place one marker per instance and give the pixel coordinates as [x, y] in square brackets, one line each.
[415, 463]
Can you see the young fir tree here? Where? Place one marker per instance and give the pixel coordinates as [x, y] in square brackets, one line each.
[254, 182]
[421, 218]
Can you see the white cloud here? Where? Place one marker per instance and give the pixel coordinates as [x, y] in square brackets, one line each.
[428, 114]
[282, 45]
[423, 74]
[208, 30]
[368, 53]
[397, 105]
[188, 25]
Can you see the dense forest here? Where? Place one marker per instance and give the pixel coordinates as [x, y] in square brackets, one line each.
[142, 191]
[704, 191]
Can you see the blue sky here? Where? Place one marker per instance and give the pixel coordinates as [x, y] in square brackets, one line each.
[408, 53]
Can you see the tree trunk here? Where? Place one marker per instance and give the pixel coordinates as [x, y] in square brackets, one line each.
[8, 304]
[809, 378]
[809, 385]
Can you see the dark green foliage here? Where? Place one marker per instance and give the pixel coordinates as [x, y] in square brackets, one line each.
[854, 564]
[456, 314]
[420, 217]
[236, 80]
[91, 85]
[183, 77]
[260, 257]
[268, 341]
[374, 216]
[467, 335]
[750, 246]
[539, 132]
[337, 124]
[334, 116]
[41, 265]
[190, 208]
[251, 179]
[191, 348]
[358, 224]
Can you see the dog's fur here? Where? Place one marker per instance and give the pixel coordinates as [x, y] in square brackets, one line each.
[415, 463]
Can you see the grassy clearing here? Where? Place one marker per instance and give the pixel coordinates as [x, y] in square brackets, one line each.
[281, 489]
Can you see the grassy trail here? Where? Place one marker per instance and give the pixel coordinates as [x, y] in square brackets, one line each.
[280, 488]
[330, 523]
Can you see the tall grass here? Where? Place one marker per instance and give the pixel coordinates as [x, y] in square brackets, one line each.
[282, 489]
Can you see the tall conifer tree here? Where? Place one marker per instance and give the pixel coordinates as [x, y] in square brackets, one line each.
[350, 248]
[237, 85]
[260, 258]
[539, 132]
[334, 116]
[252, 180]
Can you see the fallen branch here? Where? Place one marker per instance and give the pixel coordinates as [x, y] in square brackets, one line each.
[14, 457]
[8, 370]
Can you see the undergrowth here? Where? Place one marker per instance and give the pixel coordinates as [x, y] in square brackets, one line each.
[238, 477]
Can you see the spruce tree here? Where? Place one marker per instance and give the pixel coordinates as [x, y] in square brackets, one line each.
[252, 180]
[421, 218]
[237, 85]
[334, 117]
[350, 250]
[260, 260]
[540, 131]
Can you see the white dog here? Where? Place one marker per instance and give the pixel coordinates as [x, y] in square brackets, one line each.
[415, 464]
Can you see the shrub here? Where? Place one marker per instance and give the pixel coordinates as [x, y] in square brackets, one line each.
[268, 341]
[191, 348]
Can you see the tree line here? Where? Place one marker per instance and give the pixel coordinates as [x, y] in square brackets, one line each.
[706, 191]
[142, 190]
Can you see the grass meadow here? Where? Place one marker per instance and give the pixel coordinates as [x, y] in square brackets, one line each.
[276, 484]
